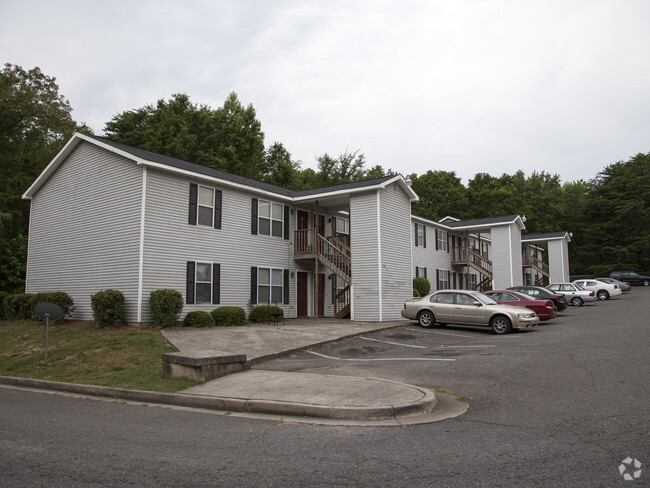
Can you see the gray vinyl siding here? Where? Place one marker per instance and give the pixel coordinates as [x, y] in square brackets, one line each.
[365, 255]
[506, 256]
[395, 218]
[427, 257]
[85, 228]
[170, 242]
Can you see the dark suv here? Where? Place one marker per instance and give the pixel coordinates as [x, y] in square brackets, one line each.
[631, 277]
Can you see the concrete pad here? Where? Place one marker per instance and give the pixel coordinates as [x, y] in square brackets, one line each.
[318, 395]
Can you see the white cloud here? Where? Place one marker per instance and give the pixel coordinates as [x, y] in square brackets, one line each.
[464, 86]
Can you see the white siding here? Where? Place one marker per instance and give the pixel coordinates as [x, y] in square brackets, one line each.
[365, 256]
[170, 242]
[85, 228]
[395, 219]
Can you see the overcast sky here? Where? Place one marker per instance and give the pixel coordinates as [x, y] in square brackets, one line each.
[560, 86]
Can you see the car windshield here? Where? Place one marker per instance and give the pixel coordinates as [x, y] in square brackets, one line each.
[484, 298]
[526, 296]
[579, 287]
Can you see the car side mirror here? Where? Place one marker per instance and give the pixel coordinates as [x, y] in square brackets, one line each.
[477, 304]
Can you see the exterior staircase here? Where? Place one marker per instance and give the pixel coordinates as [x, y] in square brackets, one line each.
[333, 253]
[465, 256]
[530, 261]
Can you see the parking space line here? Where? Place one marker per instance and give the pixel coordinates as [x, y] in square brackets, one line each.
[393, 343]
[454, 347]
[442, 333]
[380, 359]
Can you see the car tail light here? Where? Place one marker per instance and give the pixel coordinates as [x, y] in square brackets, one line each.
[615, 287]
[591, 294]
[560, 298]
[627, 284]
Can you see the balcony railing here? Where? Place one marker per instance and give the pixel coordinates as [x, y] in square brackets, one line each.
[464, 256]
[308, 244]
[534, 262]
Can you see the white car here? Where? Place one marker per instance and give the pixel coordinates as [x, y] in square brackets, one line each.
[574, 294]
[603, 290]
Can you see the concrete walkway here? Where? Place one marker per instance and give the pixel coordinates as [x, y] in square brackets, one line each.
[303, 394]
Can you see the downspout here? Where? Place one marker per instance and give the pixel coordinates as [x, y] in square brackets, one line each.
[141, 256]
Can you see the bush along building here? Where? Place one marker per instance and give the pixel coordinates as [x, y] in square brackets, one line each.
[108, 216]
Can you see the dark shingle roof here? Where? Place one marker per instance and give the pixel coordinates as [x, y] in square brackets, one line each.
[541, 237]
[478, 222]
[215, 173]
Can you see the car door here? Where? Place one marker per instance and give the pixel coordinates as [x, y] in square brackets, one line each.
[469, 310]
[443, 306]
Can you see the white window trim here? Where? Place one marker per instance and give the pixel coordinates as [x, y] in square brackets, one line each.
[270, 285]
[196, 281]
[199, 205]
[443, 237]
[269, 218]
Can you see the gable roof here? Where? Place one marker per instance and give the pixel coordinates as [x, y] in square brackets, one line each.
[149, 158]
[550, 236]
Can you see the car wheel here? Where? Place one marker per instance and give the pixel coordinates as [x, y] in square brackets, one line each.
[646, 282]
[602, 295]
[500, 325]
[426, 319]
[577, 302]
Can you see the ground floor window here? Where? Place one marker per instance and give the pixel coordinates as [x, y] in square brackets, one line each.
[442, 279]
[269, 285]
[203, 282]
[420, 272]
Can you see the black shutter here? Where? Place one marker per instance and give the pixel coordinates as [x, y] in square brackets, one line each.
[216, 283]
[333, 288]
[416, 235]
[254, 216]
[425, 272]
[448, 250]
[286, 221]
[285, 291]
[437, 249]
[194, 191]
[217, 209]
[424, 236]
[437, 278]
[254, 284]
[189, 293]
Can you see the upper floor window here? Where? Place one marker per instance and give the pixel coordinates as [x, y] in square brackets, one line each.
[442, 240]
[205, 206]
[420, 235]
[342, 226]
[270, 219]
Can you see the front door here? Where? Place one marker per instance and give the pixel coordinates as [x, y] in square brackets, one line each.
[303, 220]
[321, 294]
[321, 225]
[303, 294]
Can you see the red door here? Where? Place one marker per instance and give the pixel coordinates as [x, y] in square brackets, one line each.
[321, 225]
[321, 294]
[303, 297]
[303, 220]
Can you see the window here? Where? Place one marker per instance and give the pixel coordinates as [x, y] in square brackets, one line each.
[270, 219]
[420, 272]
[203, 283]
[442, 280]
[420, 235]
[442, 240]
[342, 226]
[269, 285]
[484, 250]
[205, 206]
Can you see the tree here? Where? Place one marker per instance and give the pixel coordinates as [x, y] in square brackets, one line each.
[229, 138]
[441, 193]
[35, 121]
[617, 214]
[279, 168]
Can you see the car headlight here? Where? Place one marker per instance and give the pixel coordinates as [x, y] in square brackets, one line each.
[525, 315]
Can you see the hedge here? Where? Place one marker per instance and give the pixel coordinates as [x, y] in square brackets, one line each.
[421, 287]
[108, 307]
[266, 314]
[198, 318]
[165, 306]
[225, 316]
[21, 305]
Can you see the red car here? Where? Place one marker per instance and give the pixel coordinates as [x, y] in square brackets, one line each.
[545, 309]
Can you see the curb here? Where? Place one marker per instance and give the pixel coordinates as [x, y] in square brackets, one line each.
[421, 407]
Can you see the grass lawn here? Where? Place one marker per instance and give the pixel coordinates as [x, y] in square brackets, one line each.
[80, 352]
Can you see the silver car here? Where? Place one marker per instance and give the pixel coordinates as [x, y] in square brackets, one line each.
[573, 294]
[465, 307]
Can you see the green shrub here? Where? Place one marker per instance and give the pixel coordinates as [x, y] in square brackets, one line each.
[108, 307]
[229, 316]
[165, 306]
[60, 298]
[421, 287]
[198, 318]
[265, 314]
[19, 306]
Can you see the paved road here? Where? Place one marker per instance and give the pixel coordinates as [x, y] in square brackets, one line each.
[557, 406]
